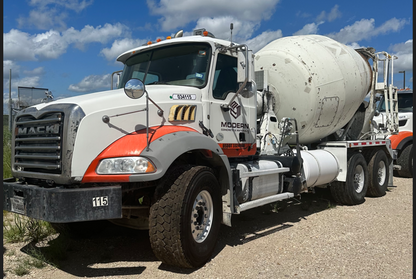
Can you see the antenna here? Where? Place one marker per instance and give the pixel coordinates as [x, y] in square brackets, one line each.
[231, 28]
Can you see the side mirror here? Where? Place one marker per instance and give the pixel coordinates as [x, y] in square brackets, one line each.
[134, 88]
[376, 113]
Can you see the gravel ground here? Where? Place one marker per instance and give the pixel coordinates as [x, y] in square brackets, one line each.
[312, 239]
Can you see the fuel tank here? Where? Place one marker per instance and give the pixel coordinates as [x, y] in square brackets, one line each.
[316, 80]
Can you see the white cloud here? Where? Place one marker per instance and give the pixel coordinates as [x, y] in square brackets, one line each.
[43, 19]
[29, 81]
[334, 14]
[35, 72]
[27, 78]
[303, 14]
[404, 53]
[263, 39]
[311, 28]
[21, 46]
[331, 16]
[355, 45]
[7, 65]
[48, 45]
[92, 83]
[75, 5]
[120, 46]
[90, 34]
[51, 13]
[365, 29]
[177, 13]
[220, 27]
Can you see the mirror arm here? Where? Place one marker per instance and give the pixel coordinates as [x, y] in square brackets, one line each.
[226, 107]
[160, 111]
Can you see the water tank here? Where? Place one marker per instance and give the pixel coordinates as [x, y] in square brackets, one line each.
[316, 80]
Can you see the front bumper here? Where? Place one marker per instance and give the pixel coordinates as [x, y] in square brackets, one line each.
[60, 205]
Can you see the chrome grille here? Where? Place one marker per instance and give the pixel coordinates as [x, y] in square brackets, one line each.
[38, 143]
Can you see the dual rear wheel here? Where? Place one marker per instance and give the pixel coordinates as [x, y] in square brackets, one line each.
[362, 179]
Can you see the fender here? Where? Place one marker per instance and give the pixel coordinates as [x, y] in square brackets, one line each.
[400, 140]
[166, 143]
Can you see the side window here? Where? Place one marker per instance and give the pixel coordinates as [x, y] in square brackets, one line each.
[225, 80]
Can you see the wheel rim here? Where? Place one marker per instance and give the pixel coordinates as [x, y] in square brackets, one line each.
[202, 216]
[359, 178]
[381, 173]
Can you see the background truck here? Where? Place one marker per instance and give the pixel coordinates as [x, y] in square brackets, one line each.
[402, 142]
[200, 129]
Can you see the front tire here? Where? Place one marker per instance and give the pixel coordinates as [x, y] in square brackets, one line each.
[185, 221]
[352, 191]
[379, 174]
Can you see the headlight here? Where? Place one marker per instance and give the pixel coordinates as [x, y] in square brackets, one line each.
[125, 165]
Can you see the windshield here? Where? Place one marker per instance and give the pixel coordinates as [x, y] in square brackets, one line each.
[184, 64]
[405, 103]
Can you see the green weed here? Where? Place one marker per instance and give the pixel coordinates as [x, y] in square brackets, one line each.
[21, 269]
[25, 229]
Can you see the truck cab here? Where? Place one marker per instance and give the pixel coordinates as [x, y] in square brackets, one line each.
[403, 141]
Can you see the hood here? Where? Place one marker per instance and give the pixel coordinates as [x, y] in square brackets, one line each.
[116, 98]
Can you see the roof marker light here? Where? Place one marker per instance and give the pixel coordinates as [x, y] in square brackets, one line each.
[168, 37]
[159, 40]
[205, 33]
[149, 43]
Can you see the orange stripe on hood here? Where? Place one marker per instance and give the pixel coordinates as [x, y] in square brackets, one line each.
[130, 145]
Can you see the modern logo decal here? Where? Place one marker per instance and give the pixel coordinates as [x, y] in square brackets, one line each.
[235, 109]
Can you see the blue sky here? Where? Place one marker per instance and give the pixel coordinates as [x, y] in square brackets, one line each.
[70, 46]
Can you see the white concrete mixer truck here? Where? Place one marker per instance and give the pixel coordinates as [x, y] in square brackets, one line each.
[200, 129]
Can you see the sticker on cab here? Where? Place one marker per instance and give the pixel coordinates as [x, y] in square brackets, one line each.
[183, 96]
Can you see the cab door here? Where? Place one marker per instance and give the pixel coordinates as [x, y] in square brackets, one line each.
[233, 127]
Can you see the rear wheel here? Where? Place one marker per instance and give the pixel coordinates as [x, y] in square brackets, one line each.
[352, 191]
[405, 160]
[185, 221]
[378, 174]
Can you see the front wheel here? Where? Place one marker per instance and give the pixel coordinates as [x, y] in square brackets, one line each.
[185, 221]
[352, 191]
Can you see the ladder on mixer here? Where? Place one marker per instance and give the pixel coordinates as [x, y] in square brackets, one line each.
[387, 89]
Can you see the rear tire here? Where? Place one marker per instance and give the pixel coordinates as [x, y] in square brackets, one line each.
[185, 221]
[405, 160]
[378, 168]
[352, 191]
